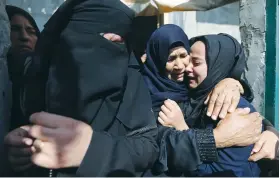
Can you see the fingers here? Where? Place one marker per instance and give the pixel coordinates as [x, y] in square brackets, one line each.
[38, 145]
[113, 37]
[257, 156]
[144, 58]
[20, 152]
[255, 117]
[163, 123]
[169, 104]
[18, 137]
[163, 117]
[26, 128]
[207, 99]
[211, 104]
[234, 102]
[225, 107]
[19, 161]
[42, 133]
[52, 120]
[218, 106]
[165, 110]
[17, 141]
[258, 145]
[174, 104]
[242, 111]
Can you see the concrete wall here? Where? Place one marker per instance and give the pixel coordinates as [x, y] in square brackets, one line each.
[41, 10]
[224, 19]
[252, 27]
[5, 85]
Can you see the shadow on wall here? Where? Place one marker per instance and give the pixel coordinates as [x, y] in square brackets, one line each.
[227, 15]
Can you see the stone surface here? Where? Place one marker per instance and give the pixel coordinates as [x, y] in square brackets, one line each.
[41, 10]
[5, 85]
[252, 27]
[224, 19]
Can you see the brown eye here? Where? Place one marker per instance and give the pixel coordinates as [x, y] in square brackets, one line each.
[171, 58]
[183, 55]
[196, 63]
[15, 28]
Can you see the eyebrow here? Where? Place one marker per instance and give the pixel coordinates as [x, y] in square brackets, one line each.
[29, 27]
[196, 58]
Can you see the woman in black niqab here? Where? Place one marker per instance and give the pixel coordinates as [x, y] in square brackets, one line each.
[91, 79]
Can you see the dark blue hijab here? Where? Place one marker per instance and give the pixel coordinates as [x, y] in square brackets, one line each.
[161, 41]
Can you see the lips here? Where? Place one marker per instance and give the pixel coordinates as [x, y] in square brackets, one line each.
[25, 47]
[190, 78]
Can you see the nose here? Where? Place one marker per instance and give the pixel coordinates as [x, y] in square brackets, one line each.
[189, 68]
[179, 65]
[24, 35]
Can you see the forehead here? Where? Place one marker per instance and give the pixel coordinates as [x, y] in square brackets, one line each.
[18, 19]
[179, 49]
[198, 48]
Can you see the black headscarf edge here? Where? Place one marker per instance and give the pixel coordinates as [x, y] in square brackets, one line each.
[13, 10]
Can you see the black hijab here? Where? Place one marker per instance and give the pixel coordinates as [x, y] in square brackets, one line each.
[13, 10]
[88, 77]
[158, 47]
[225, 59]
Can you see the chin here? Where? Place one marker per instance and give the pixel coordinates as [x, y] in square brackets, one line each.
[179, 79]
[192, 86]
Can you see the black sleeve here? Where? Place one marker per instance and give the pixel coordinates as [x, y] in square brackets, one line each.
[182, 151]
[128, 155]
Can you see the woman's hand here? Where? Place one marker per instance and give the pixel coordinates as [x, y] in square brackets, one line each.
[266, 147]
[172, 116]
[223, 98]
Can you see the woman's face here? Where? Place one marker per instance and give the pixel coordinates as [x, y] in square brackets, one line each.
[176, 64]
[196, 70]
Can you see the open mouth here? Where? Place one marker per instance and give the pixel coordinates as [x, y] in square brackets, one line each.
[191, 78]
[178, 75]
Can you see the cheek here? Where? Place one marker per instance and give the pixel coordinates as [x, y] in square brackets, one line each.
[14, 37]
[200, 72]
[169, 67]
[185, 62]
[34, 40]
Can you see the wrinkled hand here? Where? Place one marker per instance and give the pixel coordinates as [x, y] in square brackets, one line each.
[224, 98]
[266, 147]
[61, 142]
[19, 145]
[238, 129]
[172, 116]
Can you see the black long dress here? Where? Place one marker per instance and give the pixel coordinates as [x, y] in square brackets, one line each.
[77, 73]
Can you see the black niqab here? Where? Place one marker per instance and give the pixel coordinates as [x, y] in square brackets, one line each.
[90, 78]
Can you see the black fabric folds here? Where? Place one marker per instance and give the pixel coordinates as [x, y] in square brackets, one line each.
[87, 74]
